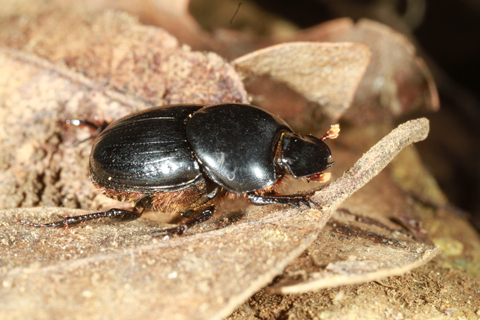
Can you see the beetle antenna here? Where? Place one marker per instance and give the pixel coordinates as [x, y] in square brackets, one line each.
[86, 123]
[235, 14]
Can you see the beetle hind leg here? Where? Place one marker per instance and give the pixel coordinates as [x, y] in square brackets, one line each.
[117, 214]
[196, 216]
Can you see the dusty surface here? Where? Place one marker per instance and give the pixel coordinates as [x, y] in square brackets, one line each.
[429, 292]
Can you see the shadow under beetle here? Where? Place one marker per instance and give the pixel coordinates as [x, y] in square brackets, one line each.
[182, 158]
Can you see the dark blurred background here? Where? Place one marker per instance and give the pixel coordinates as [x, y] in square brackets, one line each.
[447, 35]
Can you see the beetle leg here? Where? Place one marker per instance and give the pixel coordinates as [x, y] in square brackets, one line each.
[117, 214]
[203, 200]
[293, 200]
[203, 215]
[86, 123]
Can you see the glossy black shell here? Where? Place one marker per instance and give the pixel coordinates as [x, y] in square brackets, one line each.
[235, 145]
[169, 148]
[146, 152]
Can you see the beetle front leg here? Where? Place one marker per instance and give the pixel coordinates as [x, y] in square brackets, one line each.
[117, 214]
[293, 200]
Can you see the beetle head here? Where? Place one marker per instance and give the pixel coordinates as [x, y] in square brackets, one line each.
[304, 156]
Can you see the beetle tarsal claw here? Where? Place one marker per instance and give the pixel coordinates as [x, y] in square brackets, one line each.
[167, 233]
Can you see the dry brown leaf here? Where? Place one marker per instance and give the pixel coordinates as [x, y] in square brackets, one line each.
[377, 232]
[357, 256]
[373, 235]
[172, 16]
[138, 61]
[325, 73]
[396, 81]
[201, 276]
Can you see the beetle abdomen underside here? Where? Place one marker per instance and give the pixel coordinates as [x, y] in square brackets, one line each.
[146, 151]
[235, 145]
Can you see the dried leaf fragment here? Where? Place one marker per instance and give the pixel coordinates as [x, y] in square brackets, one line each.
[361, 242]
[397, 81]
[111, 270]
[325, 73]
[124, 56]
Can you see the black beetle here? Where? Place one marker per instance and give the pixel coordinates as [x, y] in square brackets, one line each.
[181, 158]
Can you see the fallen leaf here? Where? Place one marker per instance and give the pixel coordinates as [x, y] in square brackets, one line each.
[143, 63]
[325, 73]
[200, 276]
[363, 241]
[396, 82]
